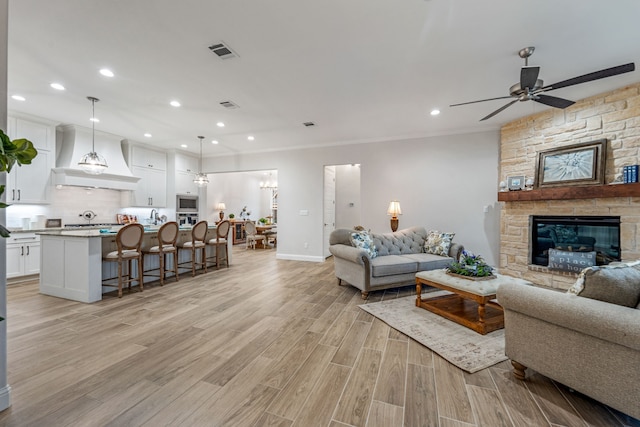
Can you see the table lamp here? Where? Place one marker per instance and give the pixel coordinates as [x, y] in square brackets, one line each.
[394, 210]
[221, 207]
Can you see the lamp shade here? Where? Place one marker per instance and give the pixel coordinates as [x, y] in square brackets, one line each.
[220, 206]
[394, 209]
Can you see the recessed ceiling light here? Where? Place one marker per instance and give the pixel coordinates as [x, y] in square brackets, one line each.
[57, 86]
[214, 142]
[435, 112]
[148, 135]
[183, 145]
[251, 138]
[106, 72]
[220, 124]
[94, 119]
[174, 103]
[18, 97]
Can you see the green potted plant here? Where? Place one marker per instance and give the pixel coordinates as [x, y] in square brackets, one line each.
[231, 216]
[19, 151]
[262, 221]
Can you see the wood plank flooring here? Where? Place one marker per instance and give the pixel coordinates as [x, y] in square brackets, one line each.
[264, 343]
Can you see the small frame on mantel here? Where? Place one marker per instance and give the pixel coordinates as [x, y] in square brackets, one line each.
[578, 164]
[515, 183]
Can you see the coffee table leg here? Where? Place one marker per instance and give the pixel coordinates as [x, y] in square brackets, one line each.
[481, 313]
[418, 292]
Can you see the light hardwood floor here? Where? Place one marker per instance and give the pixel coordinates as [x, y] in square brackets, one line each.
[264, 343]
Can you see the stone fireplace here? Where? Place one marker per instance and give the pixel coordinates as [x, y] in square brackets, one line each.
[614, 116]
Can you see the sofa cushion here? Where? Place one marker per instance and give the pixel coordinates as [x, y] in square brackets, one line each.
[390, 265]
[617, 284]
[438, 243]
[429, 261]
[362, 240]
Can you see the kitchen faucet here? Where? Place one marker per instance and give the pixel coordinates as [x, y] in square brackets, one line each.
[154, 216]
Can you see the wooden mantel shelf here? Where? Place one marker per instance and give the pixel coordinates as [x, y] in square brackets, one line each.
[568, 193]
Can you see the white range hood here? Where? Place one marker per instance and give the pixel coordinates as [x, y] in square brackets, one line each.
[74, 142]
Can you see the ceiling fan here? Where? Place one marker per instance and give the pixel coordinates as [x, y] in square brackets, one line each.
[531, 88]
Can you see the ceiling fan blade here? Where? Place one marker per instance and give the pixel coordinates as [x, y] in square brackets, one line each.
[553, 101]
[608, 72]
[504, 107]
[481, 100]
[529, 77]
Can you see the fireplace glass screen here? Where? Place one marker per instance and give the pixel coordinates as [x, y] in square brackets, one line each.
[600, 234]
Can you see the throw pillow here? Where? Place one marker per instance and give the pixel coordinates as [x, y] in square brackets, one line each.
[570, 261]
[617, 284]
[438, 243]
[363, 240]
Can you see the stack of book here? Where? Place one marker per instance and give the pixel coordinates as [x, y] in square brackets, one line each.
[630, 174]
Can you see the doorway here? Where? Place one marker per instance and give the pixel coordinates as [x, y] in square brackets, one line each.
[341, 206]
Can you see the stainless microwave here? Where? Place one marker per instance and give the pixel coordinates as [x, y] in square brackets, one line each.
[186, 203]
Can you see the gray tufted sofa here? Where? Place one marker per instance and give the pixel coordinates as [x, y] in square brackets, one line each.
[400, 255]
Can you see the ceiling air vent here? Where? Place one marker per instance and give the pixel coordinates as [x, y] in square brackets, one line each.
[222, 50]
[309, 124]
[229, 104]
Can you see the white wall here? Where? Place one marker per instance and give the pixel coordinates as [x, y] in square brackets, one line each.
[441, 182]
[238, 190]
[5, 396]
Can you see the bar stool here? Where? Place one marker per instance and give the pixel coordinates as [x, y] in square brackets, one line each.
[198, 236]
[128, 241]
[220, 242]
[167, 236]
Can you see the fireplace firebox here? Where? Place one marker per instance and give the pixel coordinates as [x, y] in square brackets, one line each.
[599, 234]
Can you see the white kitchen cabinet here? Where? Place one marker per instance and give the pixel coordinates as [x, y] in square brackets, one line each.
[186, 169]
[32, 183]
[152, 187]
[151, 167]
[23, 254]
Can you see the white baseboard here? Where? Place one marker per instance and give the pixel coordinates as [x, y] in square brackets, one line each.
[294, 257]
[5, 397]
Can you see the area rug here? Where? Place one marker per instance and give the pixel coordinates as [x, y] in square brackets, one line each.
[459, 345]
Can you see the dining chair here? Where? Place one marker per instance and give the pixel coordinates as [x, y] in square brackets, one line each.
[252, 235]
[128, 242]
[197, 244]
[220, 243]
[167, 237]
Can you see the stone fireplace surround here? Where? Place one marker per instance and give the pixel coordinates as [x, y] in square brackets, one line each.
[614, 116]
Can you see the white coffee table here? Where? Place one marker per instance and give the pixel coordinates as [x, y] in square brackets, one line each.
[471, 303]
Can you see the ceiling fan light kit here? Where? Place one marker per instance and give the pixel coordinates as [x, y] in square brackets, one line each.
[531, 88]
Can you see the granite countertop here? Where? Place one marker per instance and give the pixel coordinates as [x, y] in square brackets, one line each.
[97, 232]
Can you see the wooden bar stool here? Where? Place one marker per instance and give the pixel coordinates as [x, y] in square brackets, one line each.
[197, 243]
[220, 243]
[167, 236]
[128, 240]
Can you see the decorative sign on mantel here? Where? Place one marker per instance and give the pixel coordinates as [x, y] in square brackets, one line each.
[578, 164]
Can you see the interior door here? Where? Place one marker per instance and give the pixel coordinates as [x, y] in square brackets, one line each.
[329, 209]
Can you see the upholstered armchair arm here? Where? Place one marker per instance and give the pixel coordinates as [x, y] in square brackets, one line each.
[609, 322]
[455, 250]
[349, 253]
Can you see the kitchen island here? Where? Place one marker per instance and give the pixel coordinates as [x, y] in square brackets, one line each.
[71, 264]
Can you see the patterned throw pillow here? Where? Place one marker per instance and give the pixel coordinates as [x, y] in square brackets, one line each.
[363, 240]
[438, 243]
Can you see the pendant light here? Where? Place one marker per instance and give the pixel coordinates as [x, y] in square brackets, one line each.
[93, 163]
[200, 179]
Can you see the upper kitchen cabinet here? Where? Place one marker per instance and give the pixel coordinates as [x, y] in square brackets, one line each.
[186, 168]
[151, 166]
[32, 183]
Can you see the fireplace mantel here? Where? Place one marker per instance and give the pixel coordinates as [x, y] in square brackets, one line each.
[572, 192]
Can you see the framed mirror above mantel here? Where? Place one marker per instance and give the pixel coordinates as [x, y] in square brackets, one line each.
[571, 192]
